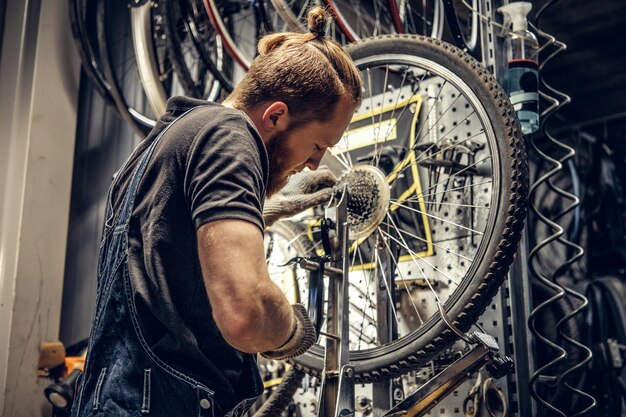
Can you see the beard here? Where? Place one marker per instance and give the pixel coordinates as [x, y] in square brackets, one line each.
[278, 157]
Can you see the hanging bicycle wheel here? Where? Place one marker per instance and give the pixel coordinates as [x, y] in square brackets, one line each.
[418, 18]
[88, 29]
[352, 20]
[196, 52]
[362, 19]
[438, 145]
[240, 24]
[118, 31]
[462, 18]
[82, 18]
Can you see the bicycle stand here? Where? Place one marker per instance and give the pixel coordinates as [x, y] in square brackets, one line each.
[337, 388]
[484, 352]
[337, 392]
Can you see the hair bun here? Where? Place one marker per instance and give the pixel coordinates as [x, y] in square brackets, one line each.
[317, 19]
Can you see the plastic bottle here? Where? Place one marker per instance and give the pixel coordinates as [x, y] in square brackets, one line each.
[521, 79]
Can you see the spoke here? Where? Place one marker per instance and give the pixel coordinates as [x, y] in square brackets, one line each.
[454, 175]
[453, 238]
[406, 246]
[419, 137]
[431, 110]
[419, 316]
[382, 269]
[367, 297]
[401, 112]
[367, 318]
[440, 151]
[298, 236]
[415, 197]
[380, 119]
[316, 246]
[378, 21]
[418, 141]
[398, 169]
[342, 159]
[455, 145]
[368, 340]
[445, 204]
[424, 259]
[434, 244]
[451, 130]
[440, 218]
[373, 116]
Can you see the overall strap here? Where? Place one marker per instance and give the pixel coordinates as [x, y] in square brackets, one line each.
[128, 201]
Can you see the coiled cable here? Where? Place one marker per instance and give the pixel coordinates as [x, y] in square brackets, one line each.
[546, 381]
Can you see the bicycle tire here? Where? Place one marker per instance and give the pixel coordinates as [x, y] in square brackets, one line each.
[141, 27]
[506, 215]
[458, 27]
[357, 24]
[405, 20]
[85, 45]
[282, 395]
[203, 83]
[216, 17]
[140, 123]
[293, 16]
[216, 59]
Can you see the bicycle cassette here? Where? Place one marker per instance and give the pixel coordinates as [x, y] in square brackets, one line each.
[368, 201]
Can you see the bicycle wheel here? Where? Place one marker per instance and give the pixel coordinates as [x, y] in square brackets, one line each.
[443, 135]
[352, 20]
[362, 19]
[240, 24]
[418, 18]
[146, 58]
[462, 19]
[116, 30]
[84, 17]
[81, 19]
[194, 50]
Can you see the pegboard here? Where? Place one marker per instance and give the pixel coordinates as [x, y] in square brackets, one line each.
[450, 121]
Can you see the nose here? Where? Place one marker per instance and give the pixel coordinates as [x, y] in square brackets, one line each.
[314, 161]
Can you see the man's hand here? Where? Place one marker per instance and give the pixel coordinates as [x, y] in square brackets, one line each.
[304, 191]
[302, 337]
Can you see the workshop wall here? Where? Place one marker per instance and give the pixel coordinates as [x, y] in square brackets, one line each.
[103, 142]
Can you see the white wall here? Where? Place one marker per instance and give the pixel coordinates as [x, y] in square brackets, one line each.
[39, 72]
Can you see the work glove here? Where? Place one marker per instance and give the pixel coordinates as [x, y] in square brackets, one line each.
[302, 337]
[303, 191]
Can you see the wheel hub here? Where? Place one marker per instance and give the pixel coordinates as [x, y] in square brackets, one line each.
[369, 197]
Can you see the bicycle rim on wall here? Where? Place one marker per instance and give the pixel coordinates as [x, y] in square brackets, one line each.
[440, 129]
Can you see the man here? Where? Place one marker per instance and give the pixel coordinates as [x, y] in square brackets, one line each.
[184, 297]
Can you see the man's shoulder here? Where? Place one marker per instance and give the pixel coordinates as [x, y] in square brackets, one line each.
[208, 133]
[179, 105]
[207, 117]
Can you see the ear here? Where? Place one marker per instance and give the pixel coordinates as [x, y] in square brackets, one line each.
[275, 118]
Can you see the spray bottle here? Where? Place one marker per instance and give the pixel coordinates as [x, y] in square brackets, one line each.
[522, 76]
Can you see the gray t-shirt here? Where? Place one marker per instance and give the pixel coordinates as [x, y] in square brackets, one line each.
[210, 165]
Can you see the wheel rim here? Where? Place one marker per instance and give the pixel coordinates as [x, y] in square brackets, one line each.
[361, 350]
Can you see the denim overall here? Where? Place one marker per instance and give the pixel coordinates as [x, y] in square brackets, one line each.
[123, 377]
